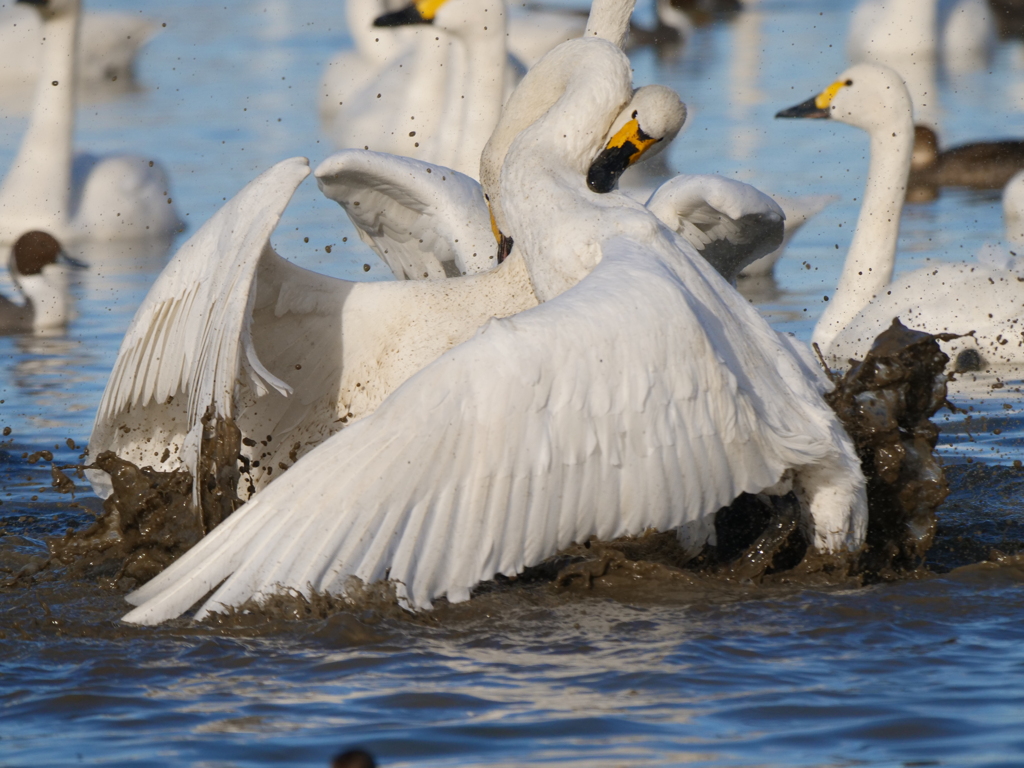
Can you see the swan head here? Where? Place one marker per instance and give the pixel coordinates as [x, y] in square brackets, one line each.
[51, 9]
[868, 96]
[653, 117]
[469, 17]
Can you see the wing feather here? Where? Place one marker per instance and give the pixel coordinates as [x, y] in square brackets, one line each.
[422, 220]
[187, 337]
[731, 223]
[463, 471]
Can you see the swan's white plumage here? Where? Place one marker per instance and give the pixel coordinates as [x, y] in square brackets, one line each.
[948, 298]
[421, 220]
[191, 335]
[76, 197]
[593, 449]
[439, 100]
[107, 48]
[731, 223]
[647, 393]
[281, 350]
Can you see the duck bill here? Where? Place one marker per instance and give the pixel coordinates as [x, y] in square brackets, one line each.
[421, 12]
[623, 149]
[808, 109]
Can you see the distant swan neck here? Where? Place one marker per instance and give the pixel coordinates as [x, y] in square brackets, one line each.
[609, 19]
[37, 189]
[872, 255]
[483, 91]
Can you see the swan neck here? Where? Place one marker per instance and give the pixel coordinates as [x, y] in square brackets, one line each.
[609, 19]
[37, 189]
[483, 92]
[869, 262]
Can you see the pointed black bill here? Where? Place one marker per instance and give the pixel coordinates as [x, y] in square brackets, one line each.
[605, 171]
[807, 108]
[504, 248]
[402, 18]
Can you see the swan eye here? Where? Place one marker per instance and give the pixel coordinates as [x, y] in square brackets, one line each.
[849, 82]
[634, 113]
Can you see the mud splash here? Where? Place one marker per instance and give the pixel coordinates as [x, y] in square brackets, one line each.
[885, 402]
[150, 519]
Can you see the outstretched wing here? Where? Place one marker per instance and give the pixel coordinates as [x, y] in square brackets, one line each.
[729, 222]
[622, 404]
[423, 220]
[190, 341]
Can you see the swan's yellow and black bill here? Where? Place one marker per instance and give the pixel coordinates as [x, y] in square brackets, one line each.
[625, 148]
[816, 106]
[421, 12]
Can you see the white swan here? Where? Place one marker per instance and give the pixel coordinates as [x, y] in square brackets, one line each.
[107, 47]
[880, 29]
[650, 394]
[78, 197]
[38, 270]
[442, 100]
[227, 307]
[954, 298]
[283, 351]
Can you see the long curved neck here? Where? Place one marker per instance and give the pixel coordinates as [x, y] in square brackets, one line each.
[37, 189]
[609, 19]
[547, 166]
[483, 91]
[872, 255]
[543, 84]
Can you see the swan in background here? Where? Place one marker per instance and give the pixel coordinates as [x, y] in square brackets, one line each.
[882, 29]
[352, 70]
[441, 101]
[203, 326]
[76, 197]
[106, 49]
[952, 297]
[978, 165]
[37, 267]
[534, 31]
[645, 393]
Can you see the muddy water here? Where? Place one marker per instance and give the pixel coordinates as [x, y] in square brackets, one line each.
[643, 670]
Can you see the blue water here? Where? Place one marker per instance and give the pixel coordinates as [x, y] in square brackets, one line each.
[926, 672]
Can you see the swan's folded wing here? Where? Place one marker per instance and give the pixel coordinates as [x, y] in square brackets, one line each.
[190, 339]
[605, 411]
[422, 220]
[729, 222]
